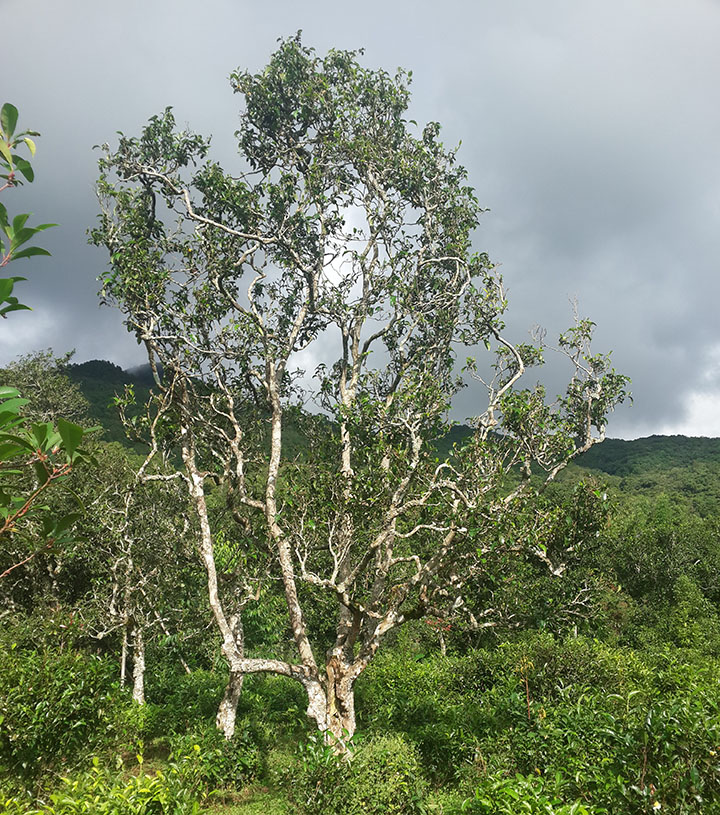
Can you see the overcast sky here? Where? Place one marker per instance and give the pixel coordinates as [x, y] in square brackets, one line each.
[591, 130]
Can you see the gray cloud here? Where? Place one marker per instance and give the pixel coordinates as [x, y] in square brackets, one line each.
[590, 130]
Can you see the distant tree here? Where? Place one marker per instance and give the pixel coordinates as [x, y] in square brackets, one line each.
[341, 233]
[136, 553]
[43, 376]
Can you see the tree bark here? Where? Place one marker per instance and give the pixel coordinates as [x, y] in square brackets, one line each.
[138, 665]
[123, 654]
[340, 704]
[227, 712]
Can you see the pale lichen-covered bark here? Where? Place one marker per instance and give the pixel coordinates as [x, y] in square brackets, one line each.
[138, 665]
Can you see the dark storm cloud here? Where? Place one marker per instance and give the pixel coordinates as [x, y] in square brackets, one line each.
[590, 129]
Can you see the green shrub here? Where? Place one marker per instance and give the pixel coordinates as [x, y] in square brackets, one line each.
[278, 705]
[216, 763]
[386, 778]
[428, 702]
[54, 708]
[316, 779]
[382, 777]
[186, 700]
[99, 792]
[521, 794]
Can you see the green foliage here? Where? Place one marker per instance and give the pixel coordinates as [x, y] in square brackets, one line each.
[666, 561]
[383, 777]
[521, 794]
[100, 382]
[218, 763]
[615, 729]
[424, 699]
[42, 454]
[43, 379]
[386, 778]
[55, 707]
[15, 232]
[314, 777]
[100, 792]
[683, 472]
[187, 701]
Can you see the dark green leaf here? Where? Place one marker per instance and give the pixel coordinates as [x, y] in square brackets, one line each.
[8, 451]
[12, 405]
[14, 307]
[8, 119]
[71, 435]
[66, 522]
[29, 252]
[6, 287]
[19, 220]
[25, 168]
[40, 433]
[41, 472]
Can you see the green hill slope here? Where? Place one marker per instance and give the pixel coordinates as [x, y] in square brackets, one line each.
[687, 468]
[100, 381]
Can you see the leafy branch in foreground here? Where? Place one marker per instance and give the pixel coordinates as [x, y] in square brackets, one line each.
[33, 455]
[40, 454]
[14, 168]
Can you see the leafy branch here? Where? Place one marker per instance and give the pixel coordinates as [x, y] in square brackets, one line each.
[16, 232]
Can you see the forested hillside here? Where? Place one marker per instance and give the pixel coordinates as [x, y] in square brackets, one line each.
[688, 469]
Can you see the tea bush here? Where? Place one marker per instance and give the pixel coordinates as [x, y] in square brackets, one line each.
[100, 792]
[185, 699]
[386, 778]
[54, 708]
[216, 763]
[426, 700]
[654, 743]
[523, 794]
[315, 778]
[383, 777]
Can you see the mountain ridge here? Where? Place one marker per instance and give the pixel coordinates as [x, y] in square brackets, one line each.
[686, 466]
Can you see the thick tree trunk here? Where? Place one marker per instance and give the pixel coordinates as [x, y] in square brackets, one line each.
[340, 704]
[227, 712]
[138, 665]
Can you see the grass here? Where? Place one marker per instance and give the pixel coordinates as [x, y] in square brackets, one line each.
[252, 801]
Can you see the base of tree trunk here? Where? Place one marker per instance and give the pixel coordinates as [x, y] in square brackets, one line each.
[227, 712]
